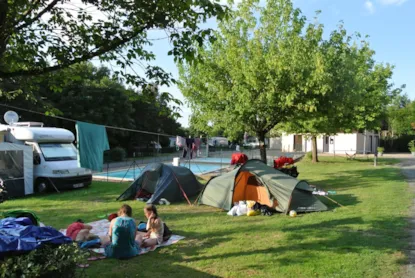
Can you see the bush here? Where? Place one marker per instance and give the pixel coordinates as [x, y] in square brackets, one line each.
[399, 144]
[380, 149]
[117, 154]
[50, 261]
[309, 155]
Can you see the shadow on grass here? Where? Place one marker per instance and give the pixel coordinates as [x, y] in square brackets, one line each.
[335, 236]
[136, 268]
[298, 243]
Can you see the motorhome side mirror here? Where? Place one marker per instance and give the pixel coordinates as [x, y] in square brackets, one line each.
[36, 159]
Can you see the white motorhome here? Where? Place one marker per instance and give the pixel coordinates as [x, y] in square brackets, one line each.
[218, 142]
[55, 158]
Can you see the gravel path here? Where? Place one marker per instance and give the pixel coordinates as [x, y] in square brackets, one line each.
[408, 170]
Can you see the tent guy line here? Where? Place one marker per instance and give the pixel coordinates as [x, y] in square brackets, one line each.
[72, 120]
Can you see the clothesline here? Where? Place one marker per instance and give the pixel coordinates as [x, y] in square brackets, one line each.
[72, 120]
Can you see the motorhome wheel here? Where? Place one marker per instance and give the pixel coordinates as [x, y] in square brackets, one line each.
[41, 186]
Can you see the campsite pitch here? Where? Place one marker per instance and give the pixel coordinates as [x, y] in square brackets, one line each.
[365, 238]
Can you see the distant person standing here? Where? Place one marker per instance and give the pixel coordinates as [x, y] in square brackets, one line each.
[188, 147]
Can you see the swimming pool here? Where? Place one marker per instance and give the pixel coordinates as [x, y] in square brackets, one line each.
[133, 173]
[216, 160]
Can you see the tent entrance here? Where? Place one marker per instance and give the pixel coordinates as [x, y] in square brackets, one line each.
[249, 187]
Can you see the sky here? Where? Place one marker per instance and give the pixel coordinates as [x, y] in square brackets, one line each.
[390, 25]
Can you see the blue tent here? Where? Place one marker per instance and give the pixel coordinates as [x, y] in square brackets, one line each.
[164, 181]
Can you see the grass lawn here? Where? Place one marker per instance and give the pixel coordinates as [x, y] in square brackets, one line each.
[365, 238]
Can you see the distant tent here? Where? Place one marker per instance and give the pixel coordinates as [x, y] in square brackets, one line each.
[258, 182]
[164, 181]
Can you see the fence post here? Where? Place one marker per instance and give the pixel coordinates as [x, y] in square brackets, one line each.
[108, 166]
[221, 161]
[207, 146]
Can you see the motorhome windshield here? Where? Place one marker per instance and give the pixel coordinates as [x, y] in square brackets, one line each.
[58, 151]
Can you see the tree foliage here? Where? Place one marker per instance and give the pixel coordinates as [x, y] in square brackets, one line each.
[93, 95]
[280, 71]
[42, 36]
[259, 73]
[401, 116]
[355, 91]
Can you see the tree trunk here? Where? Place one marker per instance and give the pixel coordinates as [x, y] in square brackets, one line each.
[3, 22]
[314, 148]
[262, 150]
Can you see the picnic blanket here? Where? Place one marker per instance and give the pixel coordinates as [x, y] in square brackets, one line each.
[101, 228]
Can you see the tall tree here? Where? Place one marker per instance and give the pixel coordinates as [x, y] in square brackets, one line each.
[400, 116]
[42, 36]
[356, 91]
[257, 73]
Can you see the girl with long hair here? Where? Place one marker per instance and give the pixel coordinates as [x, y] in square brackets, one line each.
[155, 227]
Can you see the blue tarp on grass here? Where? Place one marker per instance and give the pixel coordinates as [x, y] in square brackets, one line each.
[16, 235]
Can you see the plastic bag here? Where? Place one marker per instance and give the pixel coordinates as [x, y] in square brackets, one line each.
[232, 212]
[242, 210]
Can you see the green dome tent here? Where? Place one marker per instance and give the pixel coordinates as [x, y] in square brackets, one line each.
[258, 182]
[164, 181]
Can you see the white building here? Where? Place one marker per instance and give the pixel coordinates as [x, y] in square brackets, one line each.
[275, 143]
[341, 143]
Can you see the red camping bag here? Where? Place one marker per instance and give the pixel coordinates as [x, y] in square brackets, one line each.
[239, 158]
[282, 160]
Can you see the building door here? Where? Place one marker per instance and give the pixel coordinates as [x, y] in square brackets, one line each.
[326, 144]
[376, 142]
[371, 143]
[298, 143]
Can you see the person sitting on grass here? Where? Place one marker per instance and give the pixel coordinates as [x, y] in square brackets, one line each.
[123, 241]
[80, 232]
[155, 228]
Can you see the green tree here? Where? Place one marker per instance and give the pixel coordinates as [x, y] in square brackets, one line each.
[400, 116]
[152, 113]
[356, 91]
[258, 73]
[93, 95]
[41, 36]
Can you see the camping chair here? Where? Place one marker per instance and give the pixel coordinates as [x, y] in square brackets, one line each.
[350, 157]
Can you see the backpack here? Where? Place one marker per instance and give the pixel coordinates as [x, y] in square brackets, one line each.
[95, 243]
[167, 233]
[142, 227]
